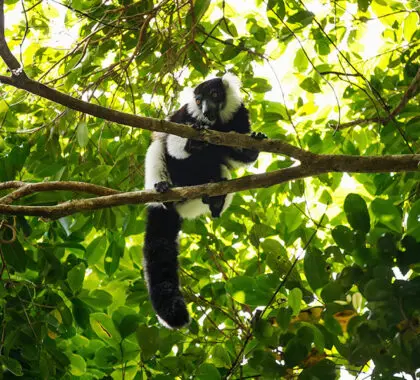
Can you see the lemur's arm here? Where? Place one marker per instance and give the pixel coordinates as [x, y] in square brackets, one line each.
[181, 147]
[239, 157]
[156, 174]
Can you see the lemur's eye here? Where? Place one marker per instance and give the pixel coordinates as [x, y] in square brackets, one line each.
[198, 101]
[214, 94]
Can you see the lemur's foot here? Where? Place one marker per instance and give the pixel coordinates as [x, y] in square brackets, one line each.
[162, 187]
[258, 135]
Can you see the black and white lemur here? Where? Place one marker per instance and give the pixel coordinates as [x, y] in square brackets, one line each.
[176, 161]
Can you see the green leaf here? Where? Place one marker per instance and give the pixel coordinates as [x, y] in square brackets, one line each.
[315, 269]
[295, 352]
[82, 134]
[104, 328]
[207, 372]
[294, 300]
[220, 357]
[148, 339]
[228, 27]
[14, 254]
[112, 257]
[78, 365]
[301, 17]
[363, 5]
[332, 292]
[12, 365]
[244, 289]
[324, 369]
[95, 250]
[301, 62]
[310, 85]
[378, 289]
[230, 52]
[75, 277]
[357, 212]
[277, 259]
[411, 25]
[344, 237]
[284, 316]
[128, 325]
[197, 57]
[260, 231]
[106, 357]
[263, 329]
[386, 213]
[200, 8]
[278, 7]
[97, 298]
[80, 313]
[413, 221]
[259, 85]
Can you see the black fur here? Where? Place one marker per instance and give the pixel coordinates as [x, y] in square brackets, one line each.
[161, 264]
[204, 164]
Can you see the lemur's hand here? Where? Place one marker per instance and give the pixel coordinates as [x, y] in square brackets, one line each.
[199, 126]
[258, 135]
[193, 146]
[162, 187]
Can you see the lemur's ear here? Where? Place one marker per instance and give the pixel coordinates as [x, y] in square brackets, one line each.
[231, 81]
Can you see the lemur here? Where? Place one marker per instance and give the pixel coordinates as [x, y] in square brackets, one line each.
[177, 161]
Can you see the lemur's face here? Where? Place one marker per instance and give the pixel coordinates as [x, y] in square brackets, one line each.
[210, 97]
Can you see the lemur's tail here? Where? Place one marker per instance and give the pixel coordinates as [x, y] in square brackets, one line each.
[161, 265]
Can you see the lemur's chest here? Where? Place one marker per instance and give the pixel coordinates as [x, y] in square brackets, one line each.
[201, 167]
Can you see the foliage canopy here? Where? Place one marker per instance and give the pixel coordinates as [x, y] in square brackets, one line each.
[298, 280]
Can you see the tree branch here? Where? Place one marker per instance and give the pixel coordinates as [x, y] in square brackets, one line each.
[320, 164]
[25, 188]
[214, 137]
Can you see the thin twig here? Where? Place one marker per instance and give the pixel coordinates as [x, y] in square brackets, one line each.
[409, 93]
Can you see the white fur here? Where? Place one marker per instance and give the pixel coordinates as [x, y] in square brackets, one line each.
[195, 112]
[228, 200]
[155, 165]
[194, 208]
[233, 96]
[232, 86]
[176, 147]
[234, 164]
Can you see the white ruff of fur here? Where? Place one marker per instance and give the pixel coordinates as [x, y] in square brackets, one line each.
[233, 96]
[196, 113]
[176, 147]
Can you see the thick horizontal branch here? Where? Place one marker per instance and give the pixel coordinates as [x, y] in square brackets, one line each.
[175, 194]
[214, 137]
[320, 164]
